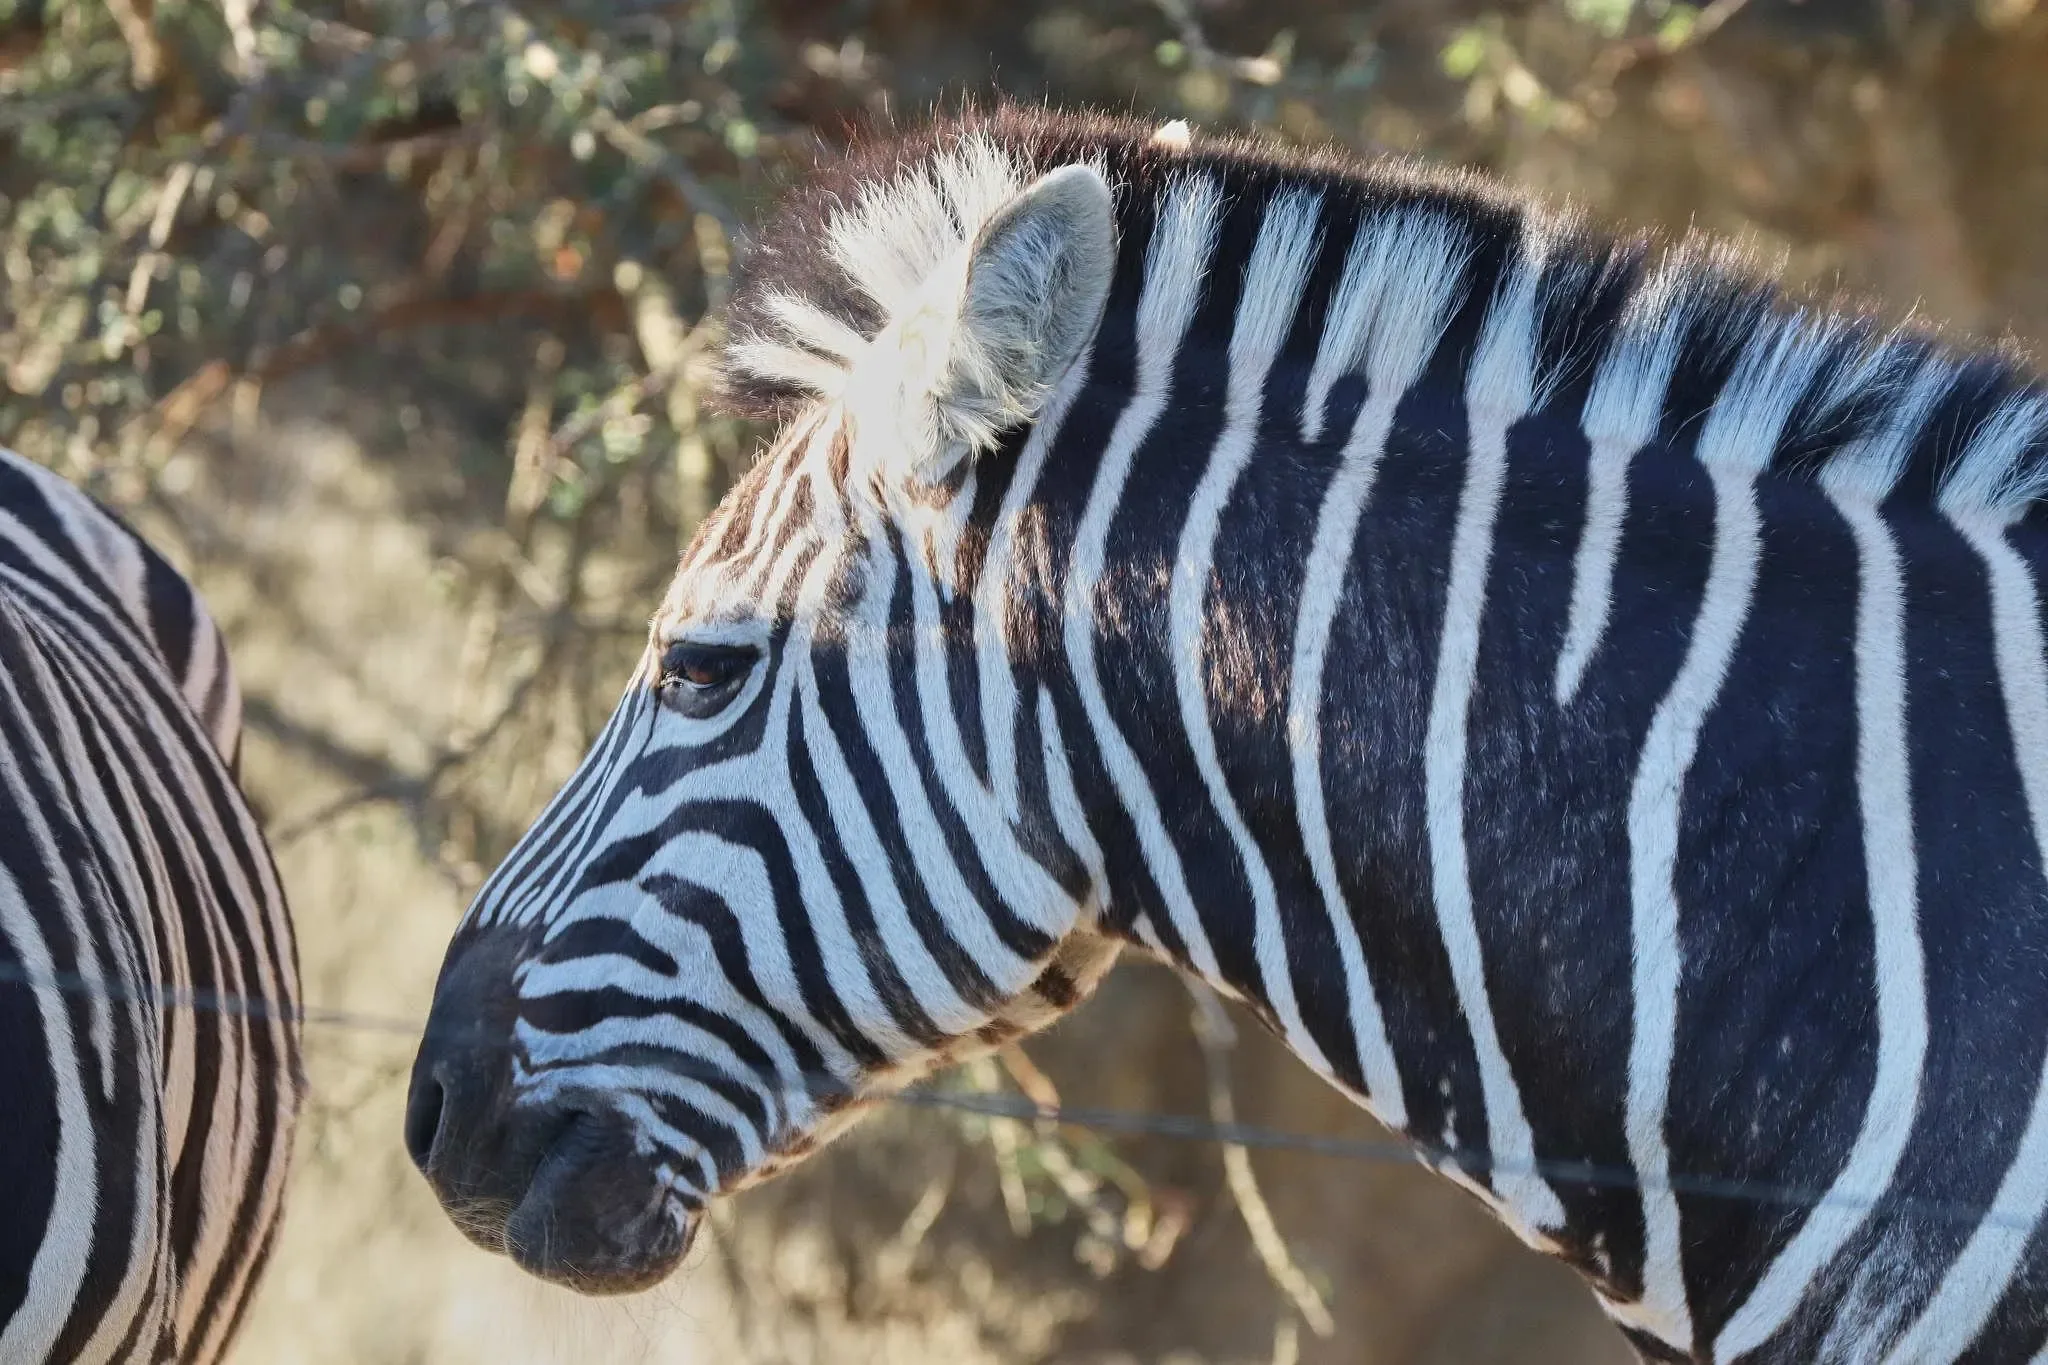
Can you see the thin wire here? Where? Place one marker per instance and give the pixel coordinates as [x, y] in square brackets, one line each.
[1119, 1122]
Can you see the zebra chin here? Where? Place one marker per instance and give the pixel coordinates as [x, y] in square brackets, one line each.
[596, 1217]
[590, 1215]
[561, 1187]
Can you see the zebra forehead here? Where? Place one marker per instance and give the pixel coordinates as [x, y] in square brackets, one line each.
[1698, 328]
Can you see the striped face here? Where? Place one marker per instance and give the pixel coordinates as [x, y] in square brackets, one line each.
[788, 877]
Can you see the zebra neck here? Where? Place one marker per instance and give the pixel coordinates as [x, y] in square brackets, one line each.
[1320, 729]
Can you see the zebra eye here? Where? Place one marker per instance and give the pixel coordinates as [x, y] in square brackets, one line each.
[699, 680]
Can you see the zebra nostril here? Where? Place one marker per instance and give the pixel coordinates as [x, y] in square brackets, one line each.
[462, 1073]
[423, 1110]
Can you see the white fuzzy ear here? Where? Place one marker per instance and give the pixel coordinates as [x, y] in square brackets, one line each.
[996, 327]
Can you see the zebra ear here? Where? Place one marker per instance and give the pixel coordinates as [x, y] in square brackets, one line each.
[1002, 325]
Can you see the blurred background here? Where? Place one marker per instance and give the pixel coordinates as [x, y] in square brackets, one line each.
[388, 320]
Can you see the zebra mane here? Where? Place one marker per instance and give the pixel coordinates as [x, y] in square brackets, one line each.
[1828, 386]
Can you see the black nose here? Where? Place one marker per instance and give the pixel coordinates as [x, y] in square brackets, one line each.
[561, 1187]
[462, 1077]
[477, 1147]
[424, 1109]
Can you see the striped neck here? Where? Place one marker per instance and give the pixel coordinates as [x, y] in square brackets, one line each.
[1409, 602]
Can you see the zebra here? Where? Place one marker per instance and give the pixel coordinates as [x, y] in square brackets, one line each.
[149, 1049]
[1587, 699]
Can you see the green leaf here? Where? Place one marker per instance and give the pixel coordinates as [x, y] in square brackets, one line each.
[1464, 53]
[1609, 16]
[1677, 27]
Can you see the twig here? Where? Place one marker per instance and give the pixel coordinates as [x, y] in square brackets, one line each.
[67, 106]
[533, 467]
[621, 402]
[671, 349]
[1139, 1230]
[318, 342]
[356, 158]
[161, 221]
[1036, 1085]
[1003, 1140]
[650, 155]
[1083, 1189]
[892, 1264]
[1653, 46]
[1261, 70]
[1217, 1037]
[1713, 16]
[239, 16]
[136, 20]
[1287, 1342]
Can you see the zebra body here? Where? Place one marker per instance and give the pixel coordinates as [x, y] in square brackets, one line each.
[1592, 707]
[147, 1128]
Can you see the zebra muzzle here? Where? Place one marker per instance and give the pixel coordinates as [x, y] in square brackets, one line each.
[595, 1217]
[560, 1186]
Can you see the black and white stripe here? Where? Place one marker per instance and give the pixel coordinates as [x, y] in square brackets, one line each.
[145, 1140]
[1591, 705]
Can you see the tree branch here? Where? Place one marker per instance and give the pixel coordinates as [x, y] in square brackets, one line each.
[1217, 1037]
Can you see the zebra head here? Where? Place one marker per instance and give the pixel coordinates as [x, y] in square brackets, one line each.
[808, 860]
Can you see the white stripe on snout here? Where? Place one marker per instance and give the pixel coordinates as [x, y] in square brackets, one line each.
[687, 1079]
[694, 1047]
[692, 1057]
[515, 891]
[738, 876]
[935, 992]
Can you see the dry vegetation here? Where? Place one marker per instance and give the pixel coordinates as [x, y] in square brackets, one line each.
[388, 318]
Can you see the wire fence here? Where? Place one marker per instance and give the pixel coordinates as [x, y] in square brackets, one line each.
[1473, 1164]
